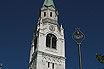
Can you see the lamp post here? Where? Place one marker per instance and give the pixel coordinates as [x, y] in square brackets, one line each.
[1, 66]
[78, 37]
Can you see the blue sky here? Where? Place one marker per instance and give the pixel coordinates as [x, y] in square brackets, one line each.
[18, 19]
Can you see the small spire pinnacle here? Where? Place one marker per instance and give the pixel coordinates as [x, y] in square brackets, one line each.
[61, 26]
[48, 3]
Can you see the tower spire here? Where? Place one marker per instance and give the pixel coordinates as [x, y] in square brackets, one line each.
[48, 3]
[48, 43]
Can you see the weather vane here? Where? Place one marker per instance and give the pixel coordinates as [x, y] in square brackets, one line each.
[78, 37]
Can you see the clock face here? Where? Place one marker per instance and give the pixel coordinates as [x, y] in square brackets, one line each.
[52, 28]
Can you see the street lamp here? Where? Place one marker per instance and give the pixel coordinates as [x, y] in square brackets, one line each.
[78, 37]
[1, 66]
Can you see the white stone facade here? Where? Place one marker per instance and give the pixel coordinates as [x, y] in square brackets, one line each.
[41, 56]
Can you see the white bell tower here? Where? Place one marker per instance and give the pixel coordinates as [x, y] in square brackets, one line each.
[48, 44]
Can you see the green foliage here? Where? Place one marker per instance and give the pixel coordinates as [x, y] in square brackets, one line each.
[100, 57]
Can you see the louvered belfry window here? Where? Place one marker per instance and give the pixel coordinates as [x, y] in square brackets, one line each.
[51, 41]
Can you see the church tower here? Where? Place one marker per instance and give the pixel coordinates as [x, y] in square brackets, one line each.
[48, 43]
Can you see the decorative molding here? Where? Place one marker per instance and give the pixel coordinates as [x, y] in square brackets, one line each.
[48, 20]
[52, 58]
[43, 29]
[52, 33]
[41, 33]
[43, 53]
[62, 39]
[47, 9]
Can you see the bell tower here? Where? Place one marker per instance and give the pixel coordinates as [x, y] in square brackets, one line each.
[48, 43]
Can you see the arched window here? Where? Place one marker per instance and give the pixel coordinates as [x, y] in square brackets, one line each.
[50, 14]
[44, 14]
[51, 41]
[52, 65]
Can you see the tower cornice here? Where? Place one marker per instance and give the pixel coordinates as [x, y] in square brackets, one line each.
[44, 53]
[48, 20]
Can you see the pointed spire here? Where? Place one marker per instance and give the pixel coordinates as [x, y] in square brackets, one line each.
[48, 3]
